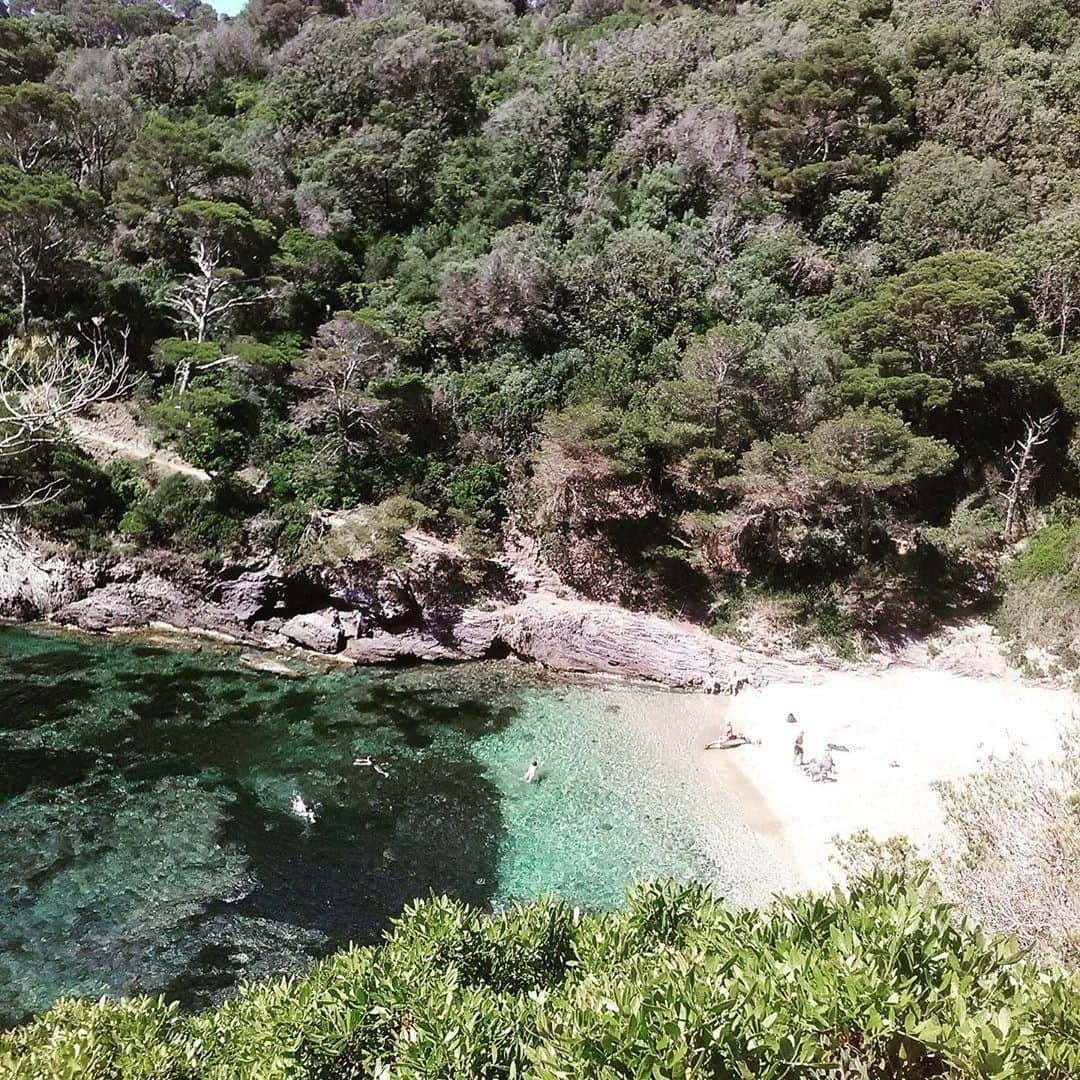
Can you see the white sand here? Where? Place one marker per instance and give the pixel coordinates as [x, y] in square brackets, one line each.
[903, 729]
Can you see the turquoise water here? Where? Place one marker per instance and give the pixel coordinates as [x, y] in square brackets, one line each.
[147, 842]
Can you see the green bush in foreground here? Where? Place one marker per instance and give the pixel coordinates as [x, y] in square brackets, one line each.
[884, 981]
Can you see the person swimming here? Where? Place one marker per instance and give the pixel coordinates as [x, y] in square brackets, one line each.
[301, 809]
[532, 773]
[368, 762]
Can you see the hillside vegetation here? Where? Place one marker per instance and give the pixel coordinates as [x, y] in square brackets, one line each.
[880, 983]
[715, 300]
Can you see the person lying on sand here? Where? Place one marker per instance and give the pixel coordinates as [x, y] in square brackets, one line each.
[731, 739]
[728, 742]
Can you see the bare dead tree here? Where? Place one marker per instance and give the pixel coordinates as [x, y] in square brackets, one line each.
[1023, 468]
[204, 299]
[335, 379]
[44, 381]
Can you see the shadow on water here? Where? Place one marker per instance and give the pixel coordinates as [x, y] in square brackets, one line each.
[146, 837]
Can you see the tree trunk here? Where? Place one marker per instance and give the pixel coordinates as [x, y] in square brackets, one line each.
[183, 376]
[24, 293]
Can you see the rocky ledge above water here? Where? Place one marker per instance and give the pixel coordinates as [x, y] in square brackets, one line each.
[404, 616]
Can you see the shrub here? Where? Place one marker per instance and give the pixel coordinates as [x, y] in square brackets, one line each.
[81, 503]
[1040, 608]
[1053, 552]
[183, 512]
[883, 981]
[1017, 869]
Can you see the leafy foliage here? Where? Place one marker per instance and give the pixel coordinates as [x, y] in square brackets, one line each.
[885, 981]
[665, 252]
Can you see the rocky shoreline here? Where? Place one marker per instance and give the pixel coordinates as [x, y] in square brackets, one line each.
[439, 607]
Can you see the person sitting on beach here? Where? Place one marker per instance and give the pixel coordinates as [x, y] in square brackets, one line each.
[532, 772]
[799, 747]
[821, 770]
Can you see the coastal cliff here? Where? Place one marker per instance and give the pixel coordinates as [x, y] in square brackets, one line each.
[406, 613]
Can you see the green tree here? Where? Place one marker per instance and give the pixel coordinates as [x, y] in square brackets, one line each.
[374, 180]
[825, 119]
[41, 221]
[869, 452]
[942, 200]
[927, 334]
[314, 267]
[35, 125]
[23, 57]
[167, 163]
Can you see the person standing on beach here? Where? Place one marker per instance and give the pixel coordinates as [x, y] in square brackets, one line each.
[799, 748]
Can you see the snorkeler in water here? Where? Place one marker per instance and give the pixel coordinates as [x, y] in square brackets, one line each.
[302, 809]
[532, 772]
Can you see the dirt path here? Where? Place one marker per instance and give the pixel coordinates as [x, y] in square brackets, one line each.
[111, 434]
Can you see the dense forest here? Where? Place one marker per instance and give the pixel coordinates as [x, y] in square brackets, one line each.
[720, 303]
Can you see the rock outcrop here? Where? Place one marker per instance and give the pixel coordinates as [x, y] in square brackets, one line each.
[583, 636]
[150, 601]
[315, 630]
[312, 610]
[251, 594]
[33, 585]
[474, 637]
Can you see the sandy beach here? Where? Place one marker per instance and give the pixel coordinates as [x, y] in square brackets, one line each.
[902, 729]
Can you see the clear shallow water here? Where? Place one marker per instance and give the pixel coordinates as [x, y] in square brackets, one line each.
[146, 840]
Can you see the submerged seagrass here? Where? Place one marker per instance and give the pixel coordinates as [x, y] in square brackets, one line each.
[147, 843]
[881, 983]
